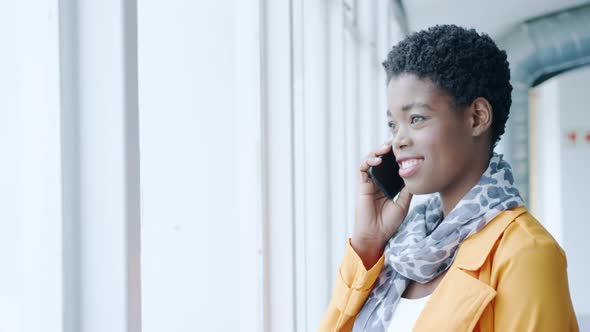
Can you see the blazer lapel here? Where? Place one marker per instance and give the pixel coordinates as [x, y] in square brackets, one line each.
[459, 300]
[456, 303]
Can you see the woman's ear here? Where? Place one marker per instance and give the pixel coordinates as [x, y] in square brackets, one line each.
[481, 116]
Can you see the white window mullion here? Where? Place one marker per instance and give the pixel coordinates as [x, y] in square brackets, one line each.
[339, 174]
[250, 152]
[367, 110]
[351, 115]
[101, 166]
[279, 165]
[299, 171]
[311, 139]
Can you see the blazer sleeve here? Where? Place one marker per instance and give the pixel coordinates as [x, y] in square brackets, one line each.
[353, 284]
[533, 292]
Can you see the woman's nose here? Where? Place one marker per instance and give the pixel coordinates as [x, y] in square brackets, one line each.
[400, 139]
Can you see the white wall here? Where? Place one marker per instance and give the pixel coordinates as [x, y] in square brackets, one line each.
[562, 180]
[546, 170]
[573, 90]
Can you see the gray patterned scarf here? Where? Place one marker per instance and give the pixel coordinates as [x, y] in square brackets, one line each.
[421, 251]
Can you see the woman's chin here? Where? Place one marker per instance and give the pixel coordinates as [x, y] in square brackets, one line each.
[415, 189]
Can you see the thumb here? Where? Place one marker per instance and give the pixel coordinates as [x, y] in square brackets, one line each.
[404, 199]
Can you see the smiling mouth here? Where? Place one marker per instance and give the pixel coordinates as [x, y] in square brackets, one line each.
[409, 167]
[409, 163]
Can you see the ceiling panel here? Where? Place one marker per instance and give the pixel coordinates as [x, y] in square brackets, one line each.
[492, 17]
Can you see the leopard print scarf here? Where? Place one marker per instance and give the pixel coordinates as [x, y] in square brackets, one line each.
[422, 249]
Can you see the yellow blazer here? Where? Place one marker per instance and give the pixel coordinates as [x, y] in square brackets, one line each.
[509, 276]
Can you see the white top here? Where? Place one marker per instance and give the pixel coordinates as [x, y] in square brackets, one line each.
[406, 314]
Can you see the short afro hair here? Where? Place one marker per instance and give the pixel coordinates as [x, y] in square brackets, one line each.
[462, 62]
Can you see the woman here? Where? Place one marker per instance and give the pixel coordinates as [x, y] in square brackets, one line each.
[471, 257]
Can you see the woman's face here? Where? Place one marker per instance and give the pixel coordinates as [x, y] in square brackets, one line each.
[431, 141]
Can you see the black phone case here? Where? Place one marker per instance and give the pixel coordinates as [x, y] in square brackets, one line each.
[386, 176]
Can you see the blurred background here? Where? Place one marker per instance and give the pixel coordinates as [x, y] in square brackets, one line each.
[190, 165]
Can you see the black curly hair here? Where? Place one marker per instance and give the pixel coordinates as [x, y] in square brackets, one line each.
[463, 63]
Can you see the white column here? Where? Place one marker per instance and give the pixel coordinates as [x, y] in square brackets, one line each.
[101, 165]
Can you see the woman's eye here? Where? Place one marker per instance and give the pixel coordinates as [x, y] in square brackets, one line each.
[414, 119]
[417, 117]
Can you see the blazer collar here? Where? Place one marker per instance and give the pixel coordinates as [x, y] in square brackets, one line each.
[475, 249]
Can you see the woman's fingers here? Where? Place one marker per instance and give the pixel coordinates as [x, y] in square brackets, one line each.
[373, 159]
[383, 149]
[404, 199]
[364, 168]
[370, 161]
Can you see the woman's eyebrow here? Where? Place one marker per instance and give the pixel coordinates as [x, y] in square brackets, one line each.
[410, 106]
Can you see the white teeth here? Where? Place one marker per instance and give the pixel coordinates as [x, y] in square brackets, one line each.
[409, 163]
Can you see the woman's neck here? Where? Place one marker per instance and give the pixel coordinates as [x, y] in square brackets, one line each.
[453, 195]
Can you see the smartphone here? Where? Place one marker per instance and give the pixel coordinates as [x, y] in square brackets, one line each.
[386, 175]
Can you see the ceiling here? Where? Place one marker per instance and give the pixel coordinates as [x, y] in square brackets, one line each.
[492, 17]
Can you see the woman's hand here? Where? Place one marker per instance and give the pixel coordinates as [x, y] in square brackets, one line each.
[377, 218]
